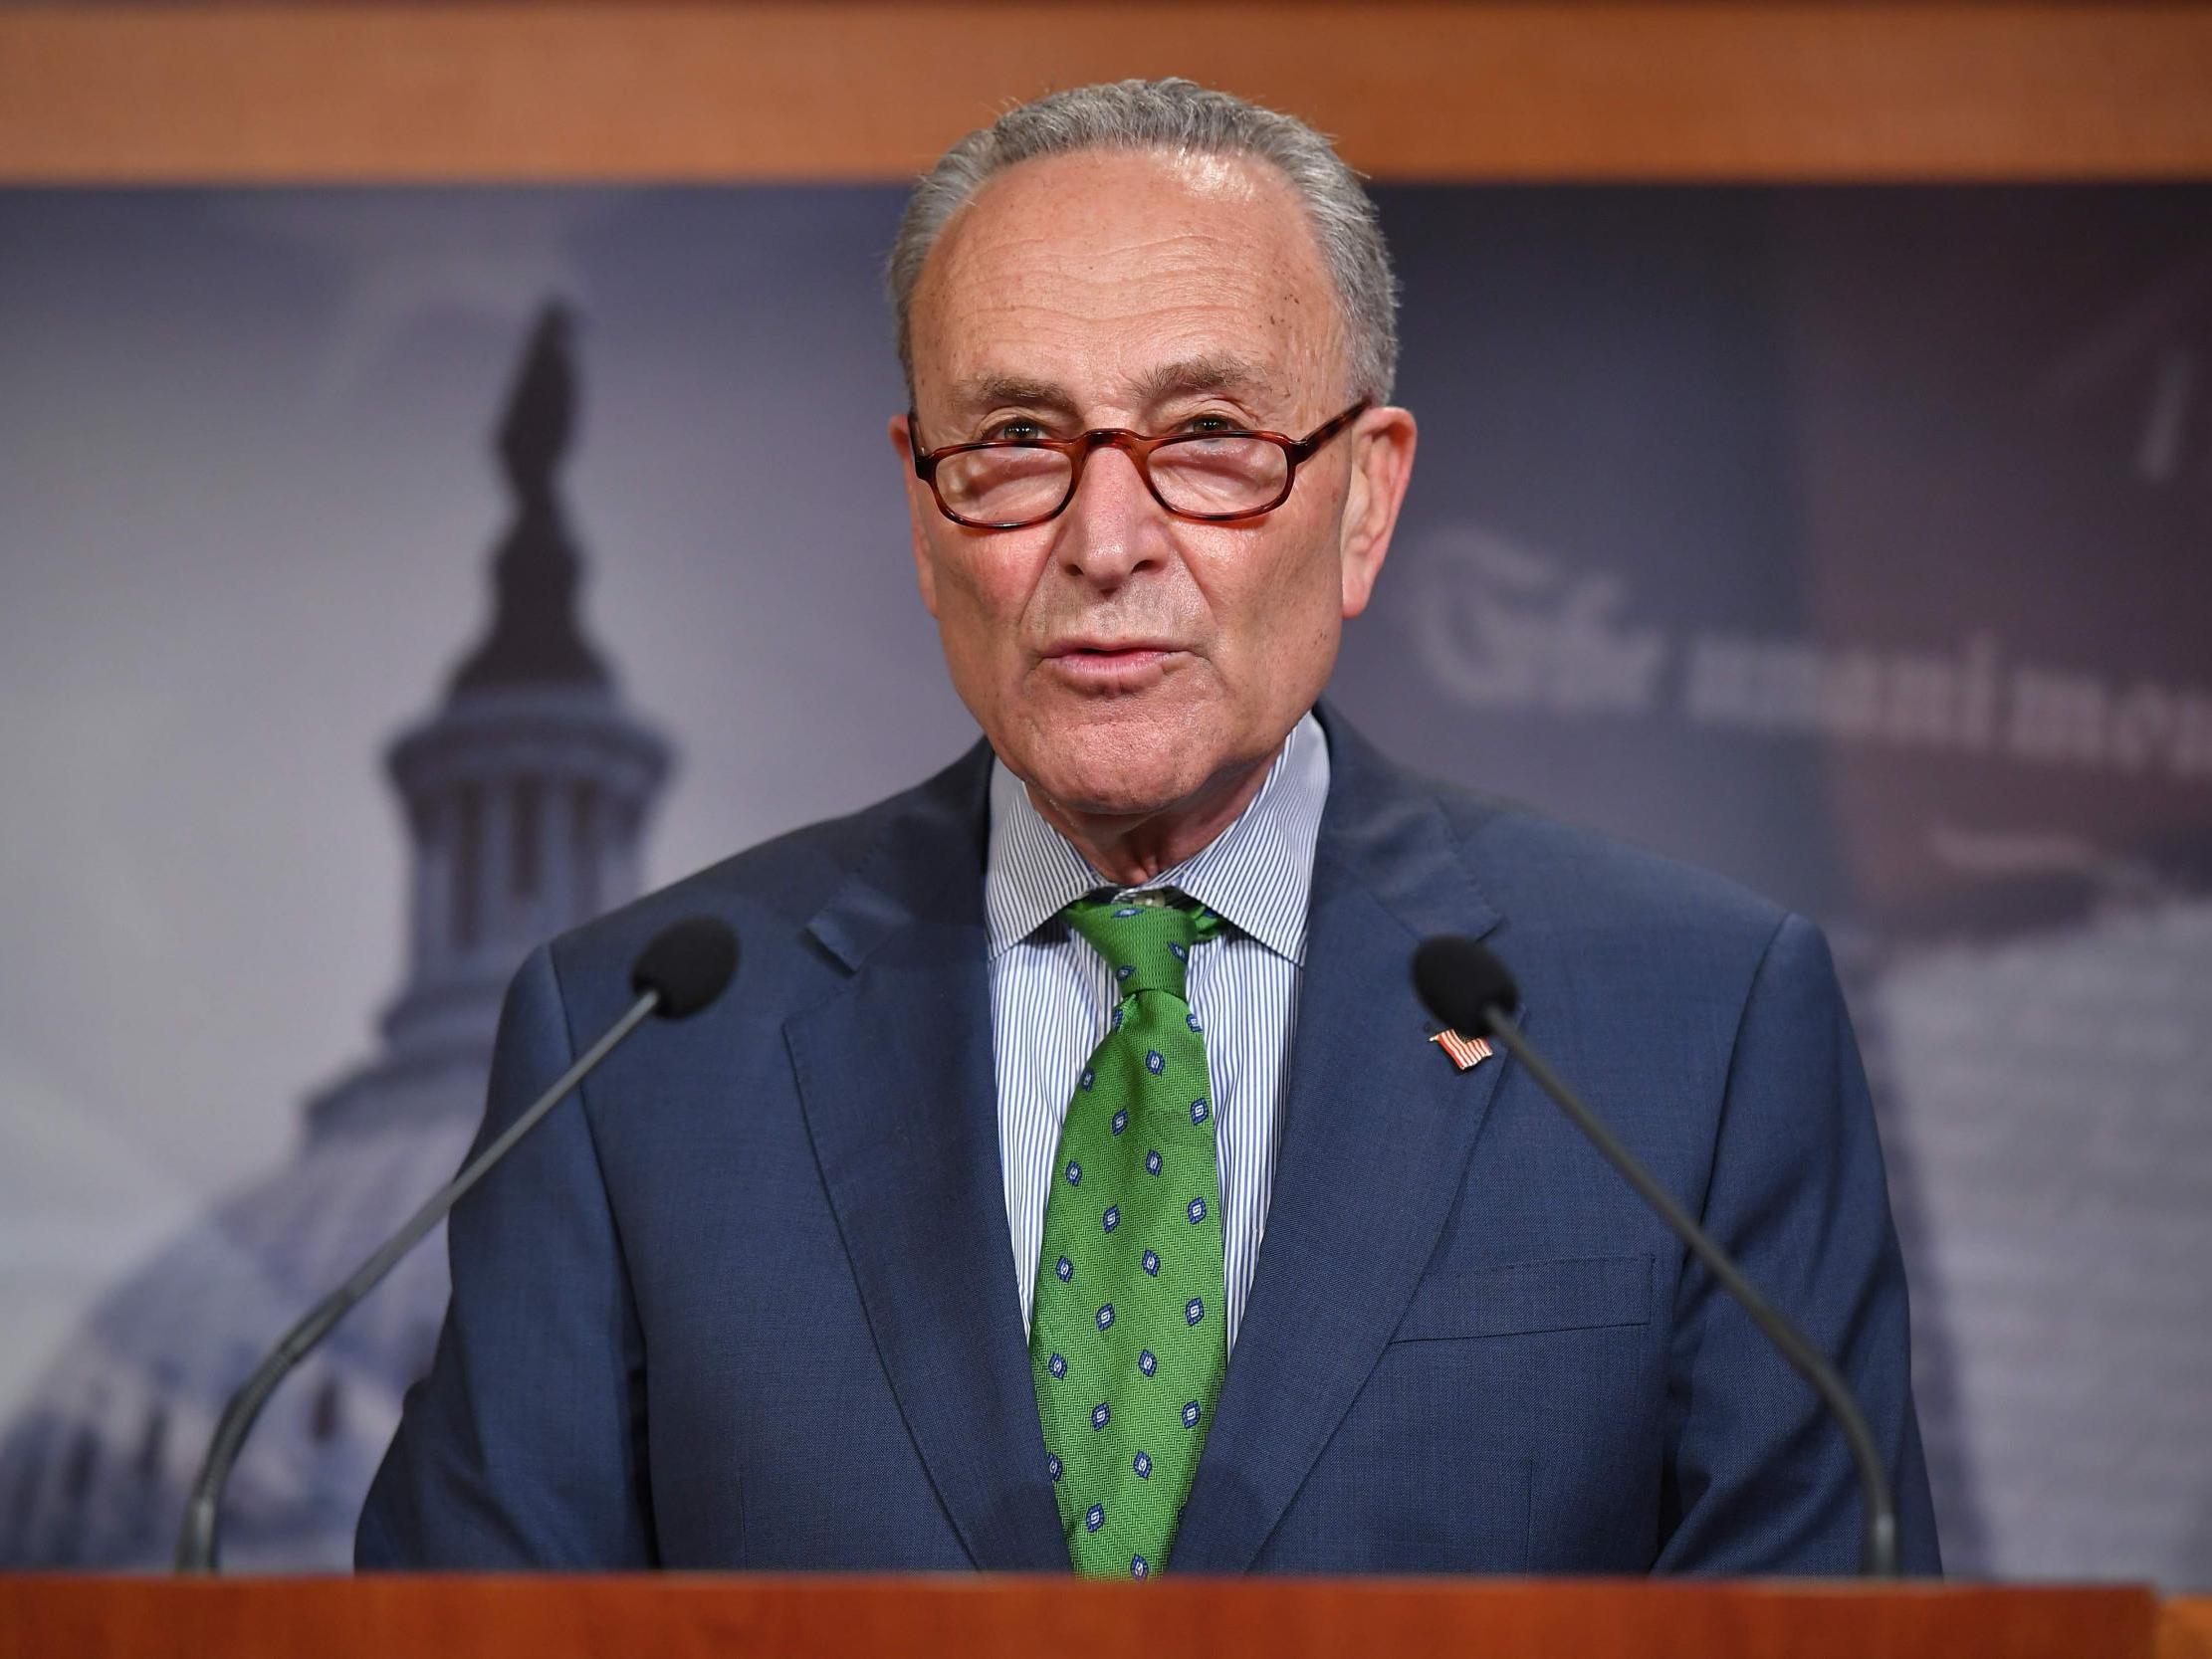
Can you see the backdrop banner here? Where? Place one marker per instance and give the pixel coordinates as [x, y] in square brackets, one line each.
[393, 577]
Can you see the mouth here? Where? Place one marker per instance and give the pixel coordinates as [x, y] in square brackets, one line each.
[1110, 665]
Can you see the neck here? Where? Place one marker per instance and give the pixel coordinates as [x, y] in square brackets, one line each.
[1130, 850]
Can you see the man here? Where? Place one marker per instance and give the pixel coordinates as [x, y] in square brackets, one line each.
[1126, 990]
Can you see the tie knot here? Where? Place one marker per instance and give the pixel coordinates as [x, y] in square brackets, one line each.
[1148, 946]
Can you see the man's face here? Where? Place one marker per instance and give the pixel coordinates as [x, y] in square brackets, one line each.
[1122, 660]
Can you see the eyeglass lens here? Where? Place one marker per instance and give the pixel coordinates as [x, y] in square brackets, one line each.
[1203, 475]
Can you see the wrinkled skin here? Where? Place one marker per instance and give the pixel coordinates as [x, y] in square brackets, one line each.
[1136, 670]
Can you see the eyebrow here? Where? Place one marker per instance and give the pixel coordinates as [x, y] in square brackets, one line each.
[1190, 378]
[1014, 391]
[1194, 375]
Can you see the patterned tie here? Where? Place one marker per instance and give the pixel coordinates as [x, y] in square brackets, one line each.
[1128, 1341]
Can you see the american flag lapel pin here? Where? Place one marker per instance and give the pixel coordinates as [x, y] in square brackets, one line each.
[1466, 1052]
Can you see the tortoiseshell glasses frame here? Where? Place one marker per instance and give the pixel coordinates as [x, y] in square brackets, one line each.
[1219, 469]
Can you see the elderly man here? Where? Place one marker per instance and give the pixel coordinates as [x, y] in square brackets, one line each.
[1068, 1178]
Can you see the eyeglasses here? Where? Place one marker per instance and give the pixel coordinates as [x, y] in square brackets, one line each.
[1215, 477]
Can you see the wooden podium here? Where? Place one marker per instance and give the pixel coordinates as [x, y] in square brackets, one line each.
[674, 1617]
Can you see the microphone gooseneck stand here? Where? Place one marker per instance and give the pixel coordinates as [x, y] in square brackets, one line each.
[682, 970]
[1469, 989]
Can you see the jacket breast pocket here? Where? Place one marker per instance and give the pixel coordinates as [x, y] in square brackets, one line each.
[1516, 1297]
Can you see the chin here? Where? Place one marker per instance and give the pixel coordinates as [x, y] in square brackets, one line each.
[1126, 763]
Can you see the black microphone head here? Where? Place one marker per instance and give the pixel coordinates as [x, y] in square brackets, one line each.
[688, 964]
[1462, 984]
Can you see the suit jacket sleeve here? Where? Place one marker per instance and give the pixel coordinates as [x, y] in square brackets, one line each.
[525, 1444]
[1759, 1478]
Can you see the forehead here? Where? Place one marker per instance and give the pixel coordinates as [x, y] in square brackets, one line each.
[1091, 272]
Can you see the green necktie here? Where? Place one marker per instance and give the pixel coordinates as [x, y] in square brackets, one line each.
[1128, 1341]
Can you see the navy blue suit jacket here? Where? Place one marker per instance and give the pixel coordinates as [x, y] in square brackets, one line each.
[749, 1302]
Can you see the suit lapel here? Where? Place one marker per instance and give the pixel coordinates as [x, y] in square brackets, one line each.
[895, 1080]
[1376, 1138]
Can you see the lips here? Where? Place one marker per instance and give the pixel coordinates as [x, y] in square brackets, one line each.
[1109, 648]
[1110, 665]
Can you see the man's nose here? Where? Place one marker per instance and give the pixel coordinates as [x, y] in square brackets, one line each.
[1113, 529]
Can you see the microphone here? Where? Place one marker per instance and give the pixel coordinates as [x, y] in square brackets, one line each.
[1470, 990]
[681, 971]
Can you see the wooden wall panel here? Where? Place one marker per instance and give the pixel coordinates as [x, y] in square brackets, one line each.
[863, 88]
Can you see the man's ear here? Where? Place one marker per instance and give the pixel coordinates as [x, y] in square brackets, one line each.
[920, 504]
[1382, 443]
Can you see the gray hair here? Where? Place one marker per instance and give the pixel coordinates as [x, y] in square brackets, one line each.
[1177, 116]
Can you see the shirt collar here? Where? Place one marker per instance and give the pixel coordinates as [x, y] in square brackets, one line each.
[1256, 875]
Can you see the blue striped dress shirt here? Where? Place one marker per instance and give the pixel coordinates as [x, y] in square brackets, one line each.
[1052, 995]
